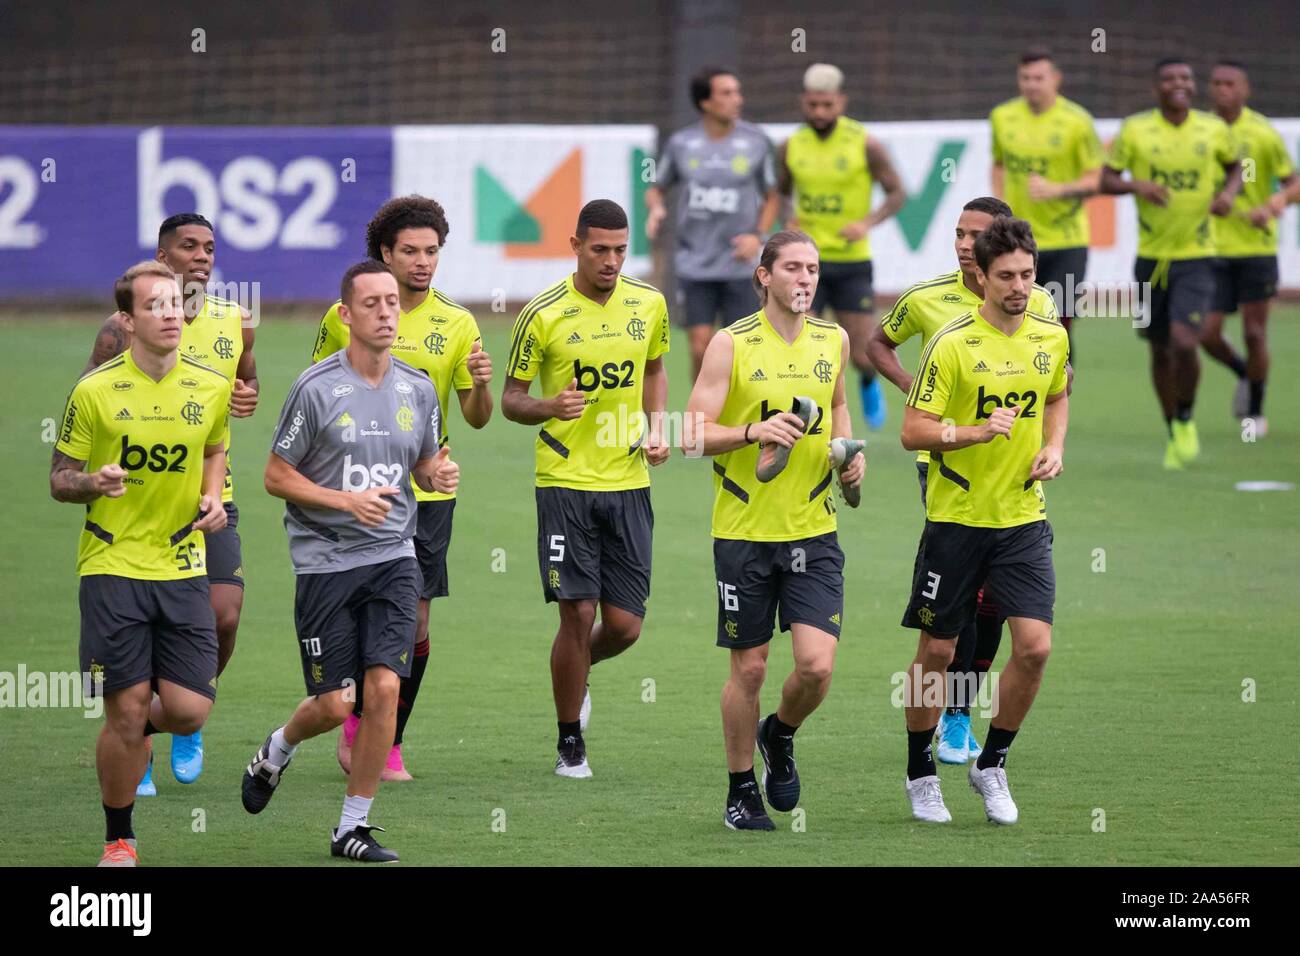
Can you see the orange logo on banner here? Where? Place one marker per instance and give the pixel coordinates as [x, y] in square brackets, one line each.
[554, 206]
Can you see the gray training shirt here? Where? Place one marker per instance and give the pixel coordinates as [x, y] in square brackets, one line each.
[339, 432]
[721, 186]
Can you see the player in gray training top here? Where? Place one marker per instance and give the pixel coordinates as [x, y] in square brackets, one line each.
[727, 202]
[352, 430]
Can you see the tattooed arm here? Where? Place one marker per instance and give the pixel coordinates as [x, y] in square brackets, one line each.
[70, 482]
[112, 340]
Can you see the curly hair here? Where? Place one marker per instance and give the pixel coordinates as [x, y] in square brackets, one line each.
[404, 212]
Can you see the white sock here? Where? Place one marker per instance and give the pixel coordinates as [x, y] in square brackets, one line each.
[355, 811]
[281, 751]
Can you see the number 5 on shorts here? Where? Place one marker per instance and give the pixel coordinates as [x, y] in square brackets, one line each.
[557, 548]
[727, 593]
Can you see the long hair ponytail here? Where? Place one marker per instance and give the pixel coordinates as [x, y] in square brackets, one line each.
[771, 249]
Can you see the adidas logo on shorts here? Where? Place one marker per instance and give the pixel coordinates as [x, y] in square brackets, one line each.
[574, 339]
[758, 376]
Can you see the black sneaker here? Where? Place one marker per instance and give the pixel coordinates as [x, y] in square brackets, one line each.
[780, 778]
[358, 844]
[261, 778]
[745, 812]
[571, 760]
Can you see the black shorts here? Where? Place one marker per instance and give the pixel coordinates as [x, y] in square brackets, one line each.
[800, 582]
[1056, 266]
[225, 555]
[595, 545]
[845, 287]
[349, 621]
[705, 301]
[1239, 279]
[953, 561]
[134, 631]
[432, 538]
[1185, 295]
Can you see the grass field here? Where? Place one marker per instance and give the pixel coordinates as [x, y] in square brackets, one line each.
[1141, 713]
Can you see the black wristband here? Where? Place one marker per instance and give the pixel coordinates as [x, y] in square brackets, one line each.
[748, 440]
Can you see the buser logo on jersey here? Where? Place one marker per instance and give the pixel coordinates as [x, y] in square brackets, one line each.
[360, 478]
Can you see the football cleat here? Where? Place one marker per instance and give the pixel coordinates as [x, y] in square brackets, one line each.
[927, 800]
[772, 457]
[954, 738]
[261, 778]
[394, 770]
[146, 788]
[358, 844]
[746, 812]
[873, 404]
[780, 778]
[119, 853]
[187, 756]
[571, 760]
[347, 734]
[991, 784]
[1186, 441]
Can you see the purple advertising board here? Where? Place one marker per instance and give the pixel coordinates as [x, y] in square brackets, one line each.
[289, 204]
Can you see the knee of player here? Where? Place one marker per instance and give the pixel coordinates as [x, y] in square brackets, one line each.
[1034, 654]
[577, 618]
[938, 653]
[816, 671]
[750, 674]
[338, 705]
[127, 717]
[189, 719]
[382, 688]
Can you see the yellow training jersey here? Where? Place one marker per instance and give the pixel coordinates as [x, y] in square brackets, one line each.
[1060, 144]
[927, 307]
[563, 335]
[1258, 144]
[1188, 161]
[832, 186]
[215, 338]
[969, 369]
[767, 373]
[436, 337]
[157, 431]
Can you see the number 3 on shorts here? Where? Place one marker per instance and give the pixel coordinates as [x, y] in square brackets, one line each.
[727, 592]
[557, 548]
[930, 592]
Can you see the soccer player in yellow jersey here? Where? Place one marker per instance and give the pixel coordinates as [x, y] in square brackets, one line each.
[142, 447]
[989, 403]
[441, 339]
[1246, 241]
[1177, 156]
[1046, 161]
[830, 164]
[923, 310]
[775, 550]
[597, 340]
[219, 333]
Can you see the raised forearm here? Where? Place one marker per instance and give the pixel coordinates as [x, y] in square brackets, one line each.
[214, 471]
[884, 358]
[921, 433]
[519, 406]
[1056, 418]
[476, 406]
[77, 487]
[284, 481]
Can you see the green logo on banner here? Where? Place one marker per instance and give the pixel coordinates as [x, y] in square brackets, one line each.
[498, 217]
[918, 212]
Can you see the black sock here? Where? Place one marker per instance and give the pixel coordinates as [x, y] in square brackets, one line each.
[996, 745]
[117, 823]
[573, 729]
[409, 688]
[1184, 412]
[149, 728]
[920, 754]
[778, 727]
[958, 677]
[1256, 399]
[1237, 365]
[741, 781]
[988, 635]
[1169, 425]
[867, 377]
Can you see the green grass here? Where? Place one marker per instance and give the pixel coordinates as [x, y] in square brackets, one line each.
[1140, 714]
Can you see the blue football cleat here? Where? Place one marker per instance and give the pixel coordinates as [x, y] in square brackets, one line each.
[873, 404]
[954, 738]
[145, 787]
[187, 756]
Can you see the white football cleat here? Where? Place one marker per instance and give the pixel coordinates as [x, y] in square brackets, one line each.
[927, 800]
[991, 784]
